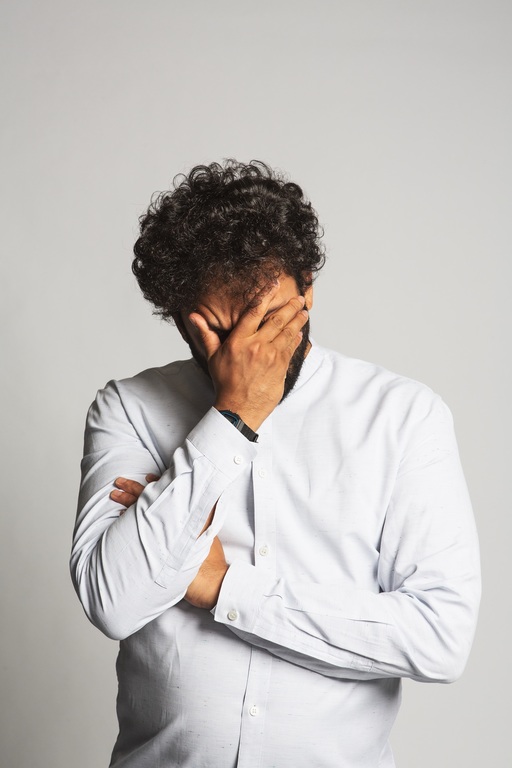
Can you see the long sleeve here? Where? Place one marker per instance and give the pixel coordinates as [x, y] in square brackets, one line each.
[420, 621]
[128, 569]
[353, 562]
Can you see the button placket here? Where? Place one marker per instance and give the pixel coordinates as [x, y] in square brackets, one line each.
[252, 736]
[264, 512]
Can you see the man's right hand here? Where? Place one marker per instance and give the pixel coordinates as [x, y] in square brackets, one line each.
[249, 369]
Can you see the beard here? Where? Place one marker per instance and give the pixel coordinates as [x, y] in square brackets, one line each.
[294, 367]
[296, 362]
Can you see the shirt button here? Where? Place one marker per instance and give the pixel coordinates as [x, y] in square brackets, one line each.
[233, 615]
[237, 459]
[263, 550]
[253, 710]
[262, 472]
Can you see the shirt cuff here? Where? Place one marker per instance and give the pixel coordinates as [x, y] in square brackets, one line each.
[222, 444]
[240, 596]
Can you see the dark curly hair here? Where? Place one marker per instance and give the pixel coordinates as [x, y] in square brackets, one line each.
[225, 224]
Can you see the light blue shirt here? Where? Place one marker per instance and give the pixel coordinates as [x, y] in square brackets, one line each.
[353, 562]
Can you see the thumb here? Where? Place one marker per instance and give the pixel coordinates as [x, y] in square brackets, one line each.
[211, 341]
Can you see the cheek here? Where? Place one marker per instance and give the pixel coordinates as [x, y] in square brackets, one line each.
[195, 341]
[191, 335]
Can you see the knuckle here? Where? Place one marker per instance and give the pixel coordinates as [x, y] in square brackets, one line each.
[234, 344]
[276, 320]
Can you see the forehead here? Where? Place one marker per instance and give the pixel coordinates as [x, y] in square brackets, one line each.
[222, 307]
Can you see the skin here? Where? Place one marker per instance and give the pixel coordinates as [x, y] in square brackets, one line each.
[248, 350]
[248, 353]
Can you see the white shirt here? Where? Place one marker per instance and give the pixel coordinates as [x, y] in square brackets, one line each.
[354, 562]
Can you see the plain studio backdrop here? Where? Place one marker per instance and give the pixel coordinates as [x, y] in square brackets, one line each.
[395, 117]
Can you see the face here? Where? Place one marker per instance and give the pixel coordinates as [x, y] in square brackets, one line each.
[222, 312]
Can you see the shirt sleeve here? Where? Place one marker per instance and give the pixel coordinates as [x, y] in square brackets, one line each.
[127, 569]
[420, 624]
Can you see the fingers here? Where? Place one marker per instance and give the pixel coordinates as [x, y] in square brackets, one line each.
[254, 315]
[211, 341]
[283, 327]
[285, 322]
[126, 499]
[128, 491]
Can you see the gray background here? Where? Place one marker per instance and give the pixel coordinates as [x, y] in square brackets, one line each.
[395, 116]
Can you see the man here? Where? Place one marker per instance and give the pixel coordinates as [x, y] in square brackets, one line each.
[306, 537]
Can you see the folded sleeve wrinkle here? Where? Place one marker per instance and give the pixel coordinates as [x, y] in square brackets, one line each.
[128, 569]
[421, 622]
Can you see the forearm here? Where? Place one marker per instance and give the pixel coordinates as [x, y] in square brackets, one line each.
[142, 562]
[340, 631]
[128, 569]
[417, 616]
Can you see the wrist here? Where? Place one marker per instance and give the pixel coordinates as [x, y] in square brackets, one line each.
[239, 423]
[250, 414]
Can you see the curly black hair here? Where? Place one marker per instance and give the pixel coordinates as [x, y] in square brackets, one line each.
[232, 224]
